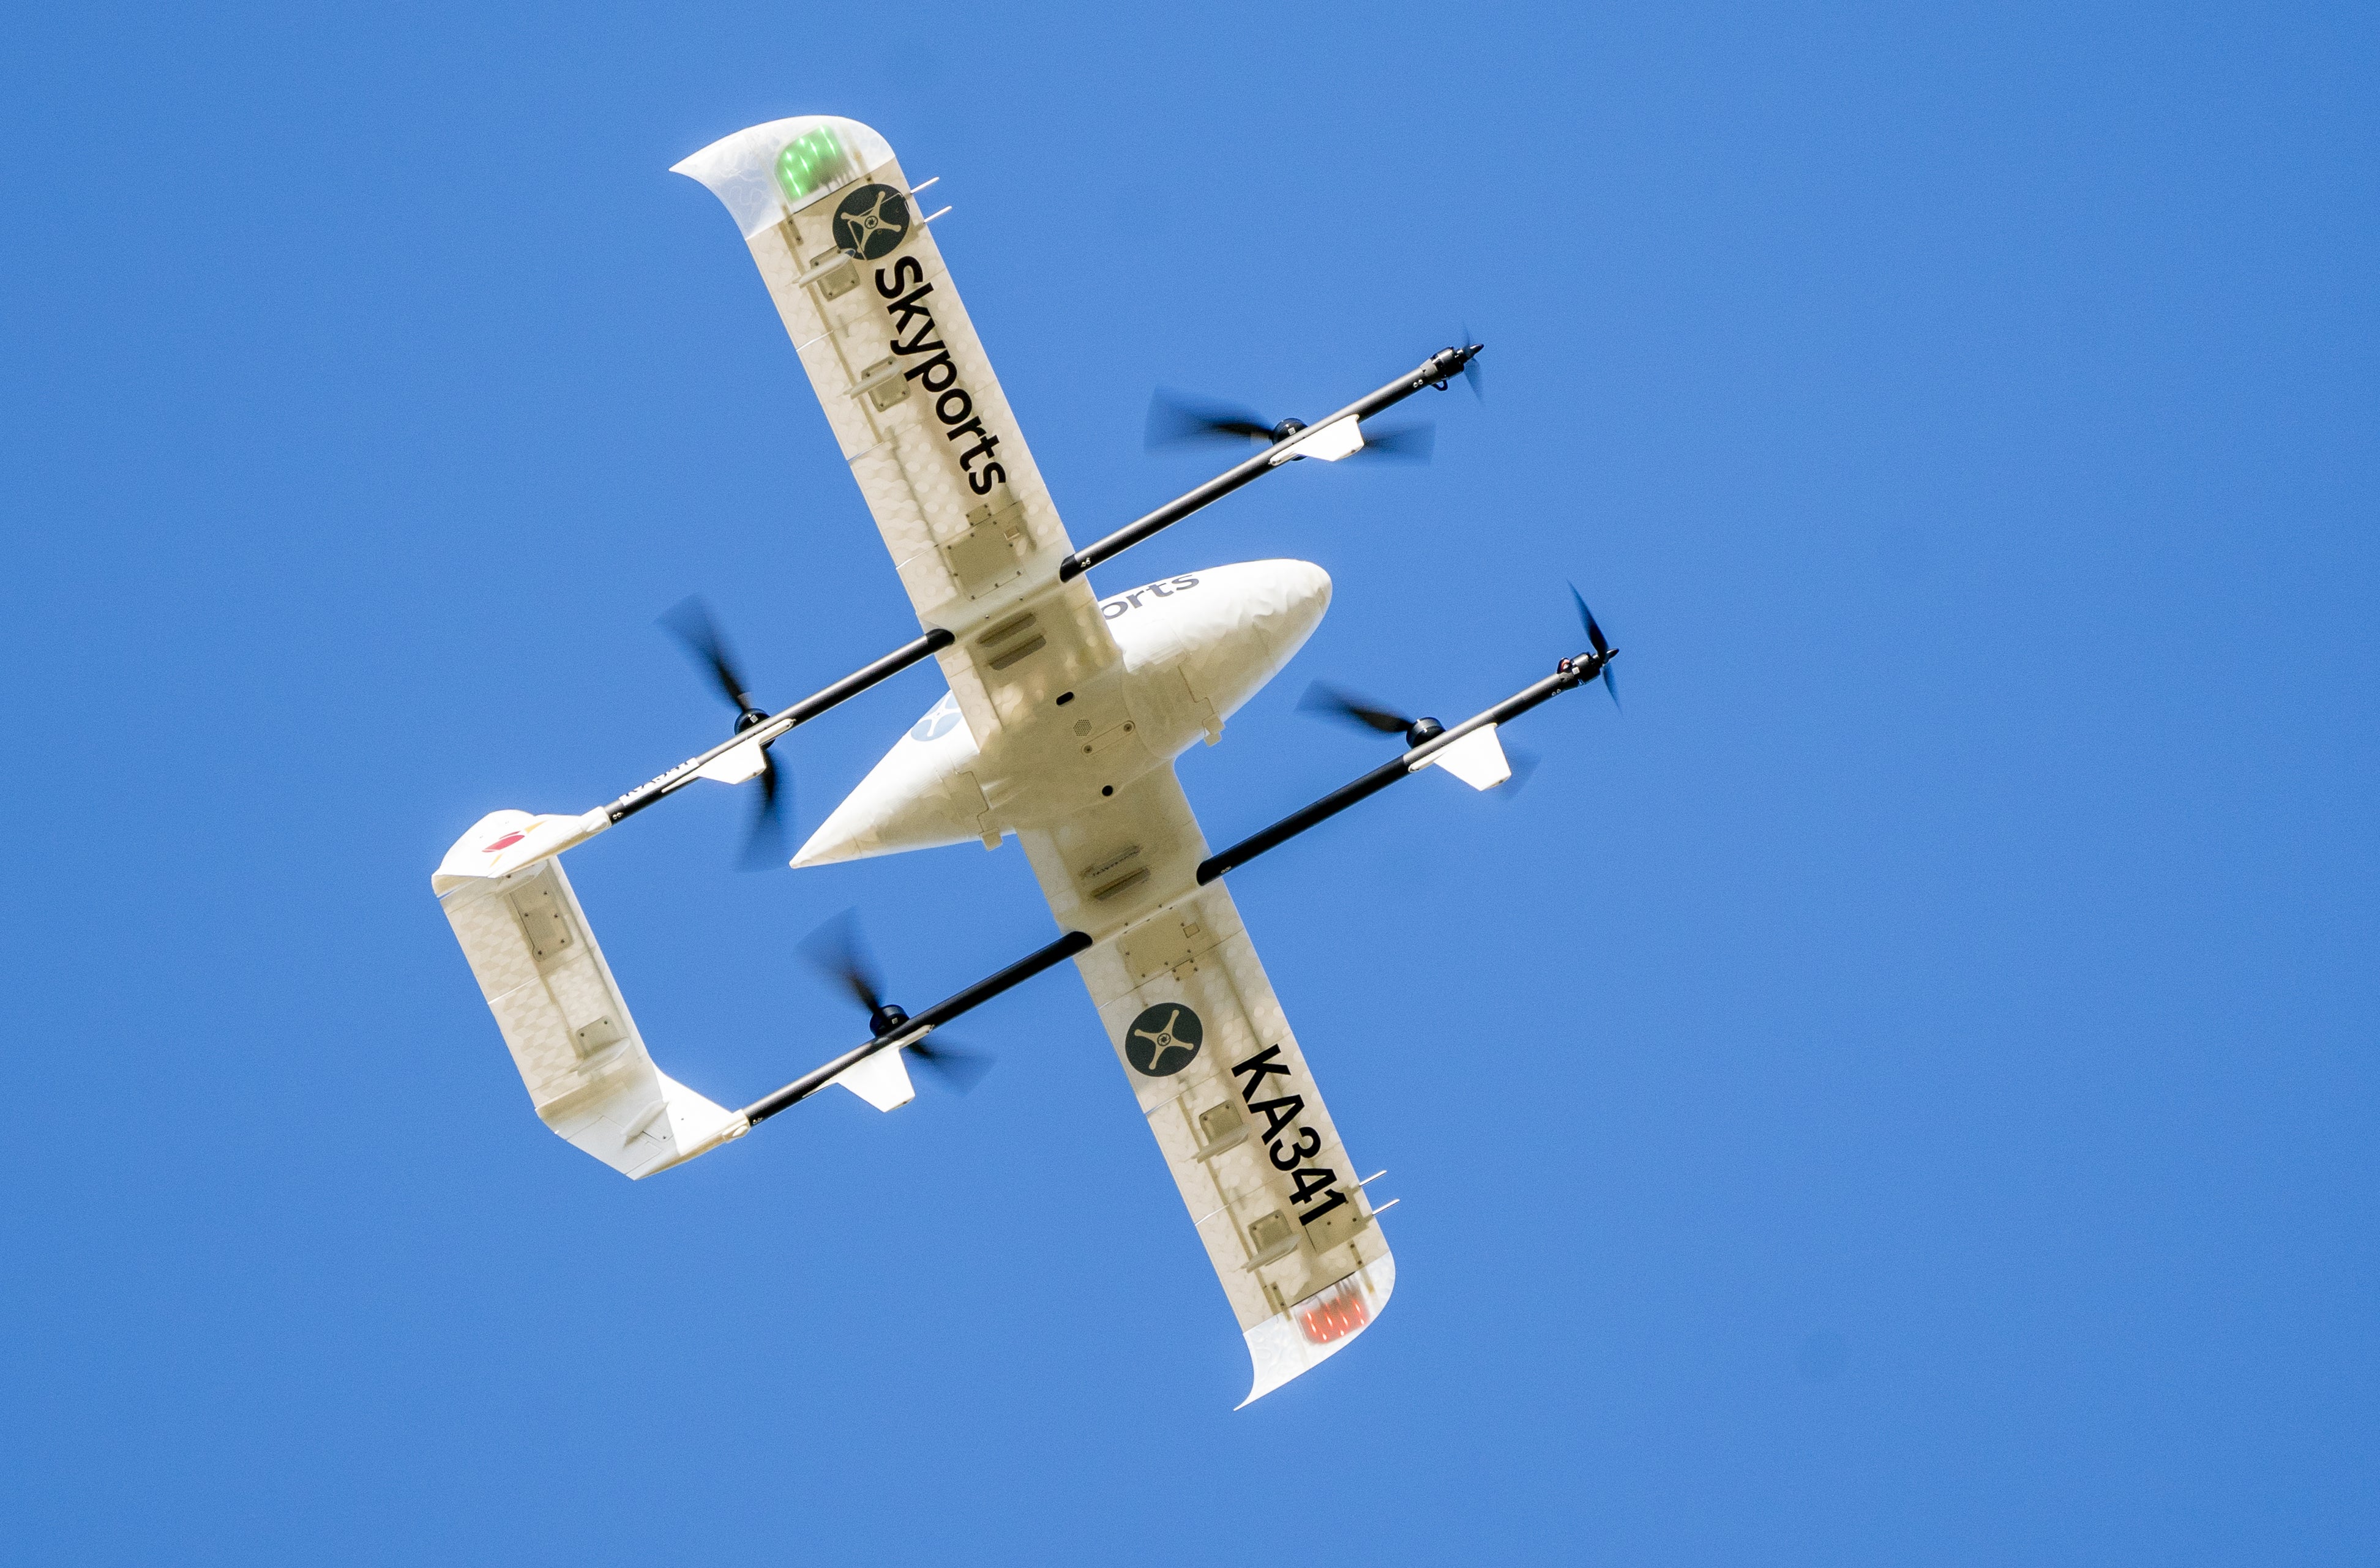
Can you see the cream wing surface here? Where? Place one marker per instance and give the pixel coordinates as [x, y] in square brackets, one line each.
[858, 281]
[1219, 1075]
[560, 1011]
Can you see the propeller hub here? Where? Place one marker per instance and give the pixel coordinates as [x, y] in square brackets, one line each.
[1585, 667]
[1286, 429]
[1423, 730]
[1448, 363]
[692, 625]
[885, 1018]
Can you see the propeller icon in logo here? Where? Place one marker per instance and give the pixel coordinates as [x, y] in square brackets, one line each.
[1163, 1041]
[939, 720]
[872, 222]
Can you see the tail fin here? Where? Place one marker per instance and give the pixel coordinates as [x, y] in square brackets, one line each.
[1477, 759]
[882, 1080]
[537, 963]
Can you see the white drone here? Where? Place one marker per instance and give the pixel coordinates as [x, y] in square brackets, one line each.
[1063, 716]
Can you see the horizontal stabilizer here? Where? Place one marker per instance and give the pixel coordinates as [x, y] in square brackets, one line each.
[578, 1051]
[1477, 759]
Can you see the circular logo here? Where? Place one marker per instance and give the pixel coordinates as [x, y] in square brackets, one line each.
[939, 720]
[872, 222]
[1164, 1039]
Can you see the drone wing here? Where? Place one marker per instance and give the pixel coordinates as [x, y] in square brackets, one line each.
[860, 285]
[1219, 1075]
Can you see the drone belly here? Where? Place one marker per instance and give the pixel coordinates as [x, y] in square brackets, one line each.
[1067, 759]
[923, 795]
[1195, 647]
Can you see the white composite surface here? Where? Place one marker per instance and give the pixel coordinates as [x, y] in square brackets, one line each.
[1064, 717]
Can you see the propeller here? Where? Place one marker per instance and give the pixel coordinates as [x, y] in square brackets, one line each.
[1176, 420]
[1472, 377]
[1522, 762]
[1325, 699]
[1594, 638]
[1407, 444]
[690, 623]
[1332, 702]
[838, 951]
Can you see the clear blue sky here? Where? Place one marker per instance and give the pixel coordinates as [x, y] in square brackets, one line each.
[1905, 1092]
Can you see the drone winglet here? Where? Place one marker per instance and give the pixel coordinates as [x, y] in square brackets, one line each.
[585, 1065]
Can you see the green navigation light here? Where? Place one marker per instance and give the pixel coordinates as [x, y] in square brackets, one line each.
[811, 163]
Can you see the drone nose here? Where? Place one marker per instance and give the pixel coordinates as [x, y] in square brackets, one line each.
[1297, 593]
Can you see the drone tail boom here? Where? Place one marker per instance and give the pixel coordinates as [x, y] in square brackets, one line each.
[557, 1006]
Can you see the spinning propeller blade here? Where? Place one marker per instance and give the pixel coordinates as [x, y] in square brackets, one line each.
[1174, 421]
[1407, 444]
[690, 623]
[1321, 698]
[959, 1068]
[1594, 638]
[838, 951]
[1331, 703]
[1336, 703]
[1522, 762]
[764, 841]
[1472, 377]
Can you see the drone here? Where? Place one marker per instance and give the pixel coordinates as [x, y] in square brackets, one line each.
[1064, 715]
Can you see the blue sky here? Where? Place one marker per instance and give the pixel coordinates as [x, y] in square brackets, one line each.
[1904, 1092]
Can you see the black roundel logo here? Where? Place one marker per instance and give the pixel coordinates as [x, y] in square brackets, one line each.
[1164, 1039]
[872, 222]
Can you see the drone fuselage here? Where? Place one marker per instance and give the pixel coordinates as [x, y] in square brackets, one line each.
[1195, 647]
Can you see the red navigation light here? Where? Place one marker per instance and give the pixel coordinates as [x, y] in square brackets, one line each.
[1335, 1316]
